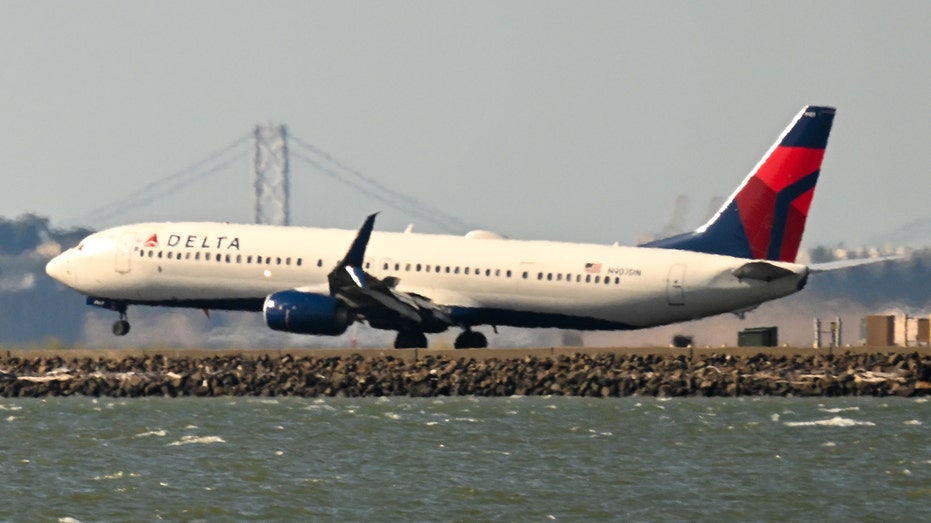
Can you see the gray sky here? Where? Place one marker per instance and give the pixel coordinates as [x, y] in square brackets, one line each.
[581, 121]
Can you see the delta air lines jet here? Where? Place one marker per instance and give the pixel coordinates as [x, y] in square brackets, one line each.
[320, 281]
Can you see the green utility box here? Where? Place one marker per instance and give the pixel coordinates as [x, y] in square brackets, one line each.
[758, 337]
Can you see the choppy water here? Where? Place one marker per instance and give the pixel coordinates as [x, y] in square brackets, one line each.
[465, 459]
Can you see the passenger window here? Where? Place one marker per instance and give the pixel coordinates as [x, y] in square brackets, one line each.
[509, 273]
[539, 275]
[588, 278]
[466, 270]
[319, 263]
[300, 262]
[384, 267]
[197, 255]
[151, 253]
[418, 267]
[456, 271]
[597, 279]
[549, 277]
[248, 259]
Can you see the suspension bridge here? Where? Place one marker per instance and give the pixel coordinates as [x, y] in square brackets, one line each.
[277, 157]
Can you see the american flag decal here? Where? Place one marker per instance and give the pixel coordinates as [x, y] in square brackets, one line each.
[592, 268]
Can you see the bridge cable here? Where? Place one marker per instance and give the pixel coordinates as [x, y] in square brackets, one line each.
[168, 184]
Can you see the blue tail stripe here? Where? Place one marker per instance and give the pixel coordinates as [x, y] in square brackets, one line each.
[725, 236]
[811, 132]
[781, 212]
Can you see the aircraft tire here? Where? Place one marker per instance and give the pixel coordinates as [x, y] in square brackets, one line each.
[471, 340]
[410, 340]
[120, 328]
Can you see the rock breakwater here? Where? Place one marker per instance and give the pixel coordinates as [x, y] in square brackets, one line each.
[355, 375]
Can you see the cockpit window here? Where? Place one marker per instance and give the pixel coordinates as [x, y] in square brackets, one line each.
[93, 245]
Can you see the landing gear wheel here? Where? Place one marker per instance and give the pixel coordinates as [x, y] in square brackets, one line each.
[120, 327]
[471, 340]
[410, 340]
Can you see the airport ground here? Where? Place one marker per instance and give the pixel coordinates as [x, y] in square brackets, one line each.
[599, 372]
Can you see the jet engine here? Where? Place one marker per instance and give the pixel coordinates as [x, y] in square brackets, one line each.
[306, 313]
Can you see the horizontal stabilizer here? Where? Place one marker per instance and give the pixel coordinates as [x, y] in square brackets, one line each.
[762, 271]
[846, 264]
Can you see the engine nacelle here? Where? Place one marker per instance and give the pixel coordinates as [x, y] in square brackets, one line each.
[306, 313]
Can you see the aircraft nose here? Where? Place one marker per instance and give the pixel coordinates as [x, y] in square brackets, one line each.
[59, 269]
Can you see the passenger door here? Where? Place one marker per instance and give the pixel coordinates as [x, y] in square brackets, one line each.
[124, 250]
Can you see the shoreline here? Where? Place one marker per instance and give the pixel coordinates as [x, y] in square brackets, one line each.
[574, 371]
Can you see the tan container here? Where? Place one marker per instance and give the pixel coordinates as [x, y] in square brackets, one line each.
[880, 331]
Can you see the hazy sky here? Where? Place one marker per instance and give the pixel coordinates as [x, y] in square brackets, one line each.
[580, 121]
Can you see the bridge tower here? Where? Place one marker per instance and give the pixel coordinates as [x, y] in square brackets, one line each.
[272, 176]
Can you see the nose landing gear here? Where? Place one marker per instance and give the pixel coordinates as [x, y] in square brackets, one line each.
[121, 326]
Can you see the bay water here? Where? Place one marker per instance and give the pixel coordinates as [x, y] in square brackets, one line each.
[533, 459]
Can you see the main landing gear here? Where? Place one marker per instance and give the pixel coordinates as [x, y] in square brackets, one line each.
[470, 339]
[410, 339]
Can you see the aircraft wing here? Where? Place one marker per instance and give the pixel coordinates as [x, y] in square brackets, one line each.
[377, 300]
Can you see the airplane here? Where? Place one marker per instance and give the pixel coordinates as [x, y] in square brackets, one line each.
[319, 281]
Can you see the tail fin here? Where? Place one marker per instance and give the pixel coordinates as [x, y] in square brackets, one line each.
[765, 217]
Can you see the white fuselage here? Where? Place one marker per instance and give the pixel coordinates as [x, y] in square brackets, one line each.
[601, 286]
